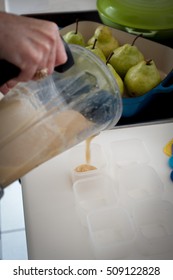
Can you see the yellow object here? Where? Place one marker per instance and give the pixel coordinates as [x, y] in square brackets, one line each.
[168, 148]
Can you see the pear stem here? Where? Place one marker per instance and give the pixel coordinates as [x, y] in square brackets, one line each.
[77, 21]
[148, 62]
[109, 57]
[140, 35]
[93, 47]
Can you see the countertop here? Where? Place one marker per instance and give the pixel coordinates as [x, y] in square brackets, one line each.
[53, 228]
[44, 6]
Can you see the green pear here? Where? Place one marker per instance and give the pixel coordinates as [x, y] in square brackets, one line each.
[105, 40]
[125, 57]
[74, 37]
[97, 51]
[141, 78]
[117, 78]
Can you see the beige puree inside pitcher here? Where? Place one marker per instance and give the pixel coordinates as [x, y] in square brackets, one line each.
[29, 137]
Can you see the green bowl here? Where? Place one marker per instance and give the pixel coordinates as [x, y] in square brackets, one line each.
[154, 19]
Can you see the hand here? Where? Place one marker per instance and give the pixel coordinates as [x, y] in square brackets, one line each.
[30, 44]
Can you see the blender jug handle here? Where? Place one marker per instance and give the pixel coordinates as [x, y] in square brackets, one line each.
[70, 61]
[9, 71]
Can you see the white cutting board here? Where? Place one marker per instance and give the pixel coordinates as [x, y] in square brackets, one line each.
[53, 228]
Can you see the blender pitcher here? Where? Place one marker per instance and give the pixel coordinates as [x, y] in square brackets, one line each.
[41, 119]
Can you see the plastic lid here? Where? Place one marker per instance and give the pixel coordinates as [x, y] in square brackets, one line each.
[142, 14]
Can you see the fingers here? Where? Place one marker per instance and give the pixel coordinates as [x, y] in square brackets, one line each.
[24, 76]
[50, 65]
[61, 55]
[4, 89]
[50, 55]
[37, 45]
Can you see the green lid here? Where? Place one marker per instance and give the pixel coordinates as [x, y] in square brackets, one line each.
[142, 14]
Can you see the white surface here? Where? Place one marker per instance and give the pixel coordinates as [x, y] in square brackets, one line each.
[53, 227]
[154, 221]
[12, 208]
[45, 6]
[12, 226]
[115, 240]
[14, 245]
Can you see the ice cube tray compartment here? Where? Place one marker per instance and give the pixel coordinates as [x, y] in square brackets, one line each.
[107, 200]
[112, 233]
[93, 193]
[153, 219]
[76, 157]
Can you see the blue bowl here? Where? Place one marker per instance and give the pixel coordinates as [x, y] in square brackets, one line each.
[133, 105]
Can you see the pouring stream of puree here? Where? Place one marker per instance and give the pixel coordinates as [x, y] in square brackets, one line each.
[87, 166]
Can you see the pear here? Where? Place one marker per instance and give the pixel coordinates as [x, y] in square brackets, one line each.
[97, 51]
[116, 76]
[105, 40]
[141, 78]
[74, 37]
[125, 57]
